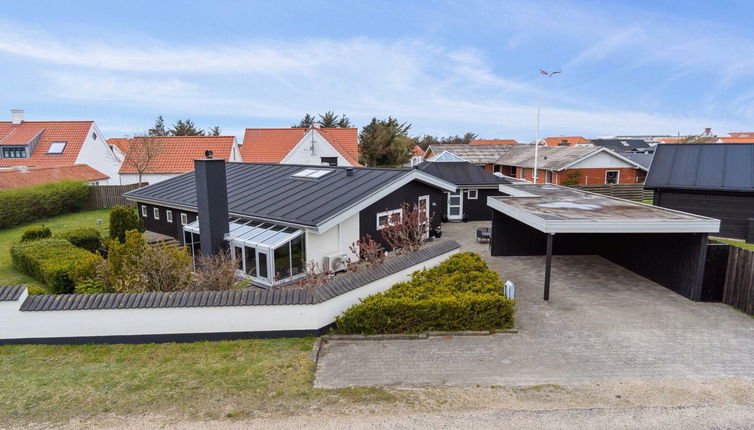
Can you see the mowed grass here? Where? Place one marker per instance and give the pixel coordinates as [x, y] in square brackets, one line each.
[258, 377]
[738, 243]
[59, 224]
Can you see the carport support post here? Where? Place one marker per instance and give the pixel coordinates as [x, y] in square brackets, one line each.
[548, 265]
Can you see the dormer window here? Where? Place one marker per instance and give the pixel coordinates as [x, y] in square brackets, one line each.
[56, 147]
[14, 152]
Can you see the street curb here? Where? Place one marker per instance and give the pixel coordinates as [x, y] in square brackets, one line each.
[417, 336]
[315, 349]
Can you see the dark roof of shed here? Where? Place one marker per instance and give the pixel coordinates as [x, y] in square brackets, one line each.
[243, 297]
[716, 166]
[9, 293]
[622, 145]
[461, 173]
[268, 191]
[643, 158]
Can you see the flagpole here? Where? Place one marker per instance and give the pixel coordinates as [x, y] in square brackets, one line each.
[535, 173]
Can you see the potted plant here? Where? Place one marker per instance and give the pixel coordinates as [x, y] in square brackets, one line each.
[438, 231]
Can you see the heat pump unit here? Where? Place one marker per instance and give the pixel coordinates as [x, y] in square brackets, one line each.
[336, 262]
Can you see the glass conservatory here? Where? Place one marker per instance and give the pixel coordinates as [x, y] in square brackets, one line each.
[269, 254]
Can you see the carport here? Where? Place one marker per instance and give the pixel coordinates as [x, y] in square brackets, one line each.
[666, 246]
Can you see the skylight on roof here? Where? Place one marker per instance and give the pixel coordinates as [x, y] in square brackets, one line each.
[56, 148]
[447, 156]
[311, 173]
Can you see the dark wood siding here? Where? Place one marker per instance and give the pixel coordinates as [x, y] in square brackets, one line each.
[673, 260]
[477, 210]
[162, 226]
[408, 193]
[731, 208]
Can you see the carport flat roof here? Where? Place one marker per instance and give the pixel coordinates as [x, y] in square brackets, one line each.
[556, 209]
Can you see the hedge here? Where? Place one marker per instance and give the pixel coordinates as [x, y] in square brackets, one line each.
[123, 219]
[28, 204]
[54, 262]
[36, 233]
[85, 238]
[461, 293]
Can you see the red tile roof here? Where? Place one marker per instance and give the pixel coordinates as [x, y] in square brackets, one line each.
[417, 150]
[16, 178]
[493, 142]
[673, 140]
[271, 145]
[736, 140]
[742, 134]
[571, 140]
[121, 143]
[72, 132]
[177, 153]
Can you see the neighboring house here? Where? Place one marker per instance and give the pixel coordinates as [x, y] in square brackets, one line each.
[743, 139]
[643, 158]
[625, 145]
[478, 155]
[469, 201]
[493, 142]
[565, 165]
[567, 141]
[714, 180]
[277, 218]
[312, 146]
[175, 155]
[36, 144]
[23, 177]
[417, 156]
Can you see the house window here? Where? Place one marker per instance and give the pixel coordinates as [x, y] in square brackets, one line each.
[56, 148]
[497, 168]
[14, 152]
[472, 194]
[184, 219]
[548, 176]
[612, 177]
[329, 161]
[388, 218]
[156, 213]
[169, 215]
[513, 171]
[94, 136]
[144, 211]
[523, 173]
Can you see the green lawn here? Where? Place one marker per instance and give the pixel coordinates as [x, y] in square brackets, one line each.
[259, 377]
[744, 245]
[59, 224]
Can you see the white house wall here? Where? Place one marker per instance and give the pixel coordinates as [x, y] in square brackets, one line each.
[150, 178]
[302, 152]
[601, 160]
[97, 154]
[336, 239]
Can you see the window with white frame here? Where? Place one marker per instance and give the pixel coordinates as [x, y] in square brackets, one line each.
[184, 219]
[169, 215]
[612, 177]
[144, 211]
[472, 194]
[156, 213]
[388, 218]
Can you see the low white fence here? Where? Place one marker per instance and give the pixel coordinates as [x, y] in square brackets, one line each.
[120, 322]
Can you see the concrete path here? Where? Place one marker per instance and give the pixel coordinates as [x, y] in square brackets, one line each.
[603, 323]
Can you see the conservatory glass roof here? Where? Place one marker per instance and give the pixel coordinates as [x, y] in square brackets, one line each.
[447, 156]
[254, 233]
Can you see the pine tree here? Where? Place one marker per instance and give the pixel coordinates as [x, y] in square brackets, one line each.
[327, 120]
[159, 128]
[306, 122]
[214, 131]
[385, 143]
[185, 128]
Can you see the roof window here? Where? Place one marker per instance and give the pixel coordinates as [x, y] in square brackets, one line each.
[311, 173]
[56, 147]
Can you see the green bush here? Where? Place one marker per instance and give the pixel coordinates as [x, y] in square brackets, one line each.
[85, 238]
[56, 263]
[35, 233]
[461, 293]
[36, 290]
[22, 205]
[123, 219]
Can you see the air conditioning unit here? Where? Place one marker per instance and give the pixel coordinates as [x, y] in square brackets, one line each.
[336, 262]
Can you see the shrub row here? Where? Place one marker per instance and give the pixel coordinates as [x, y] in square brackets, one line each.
[54, 262]
[22, 205]
[35, 233]
[461, 293]
[85, 238]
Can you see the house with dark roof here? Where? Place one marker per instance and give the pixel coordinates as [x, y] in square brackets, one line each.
[44, 144]
[23, 177]
[173, 155]
[713, 180]
[313, 146]
[625, 145]
[469, 201]
[571, 165]
[278, 219]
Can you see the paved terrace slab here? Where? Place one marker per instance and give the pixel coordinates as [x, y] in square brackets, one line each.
[603, 323]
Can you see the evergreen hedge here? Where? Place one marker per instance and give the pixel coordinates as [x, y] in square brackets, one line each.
[123, 219]
[22, 205]
[54, 262]
[86, 238]
[35, 233]
[461, 293]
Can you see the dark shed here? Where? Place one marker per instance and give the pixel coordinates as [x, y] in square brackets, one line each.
[714, 180]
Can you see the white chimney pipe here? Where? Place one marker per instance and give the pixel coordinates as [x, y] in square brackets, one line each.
[18, 116]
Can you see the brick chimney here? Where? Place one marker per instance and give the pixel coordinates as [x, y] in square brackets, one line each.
[212, 203]
[17, 116]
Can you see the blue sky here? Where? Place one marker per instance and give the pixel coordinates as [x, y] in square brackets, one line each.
[447, 67]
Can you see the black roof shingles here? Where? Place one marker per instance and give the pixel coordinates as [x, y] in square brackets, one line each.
[245, 297]
[268, 191]
[623, 145]
[715, 166]
[461, 173]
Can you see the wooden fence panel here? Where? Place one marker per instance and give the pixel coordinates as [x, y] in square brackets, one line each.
[624, 191]
[739, 280]
[108, 196]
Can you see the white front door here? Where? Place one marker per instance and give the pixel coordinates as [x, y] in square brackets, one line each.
[455, 205]
[424, 207]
